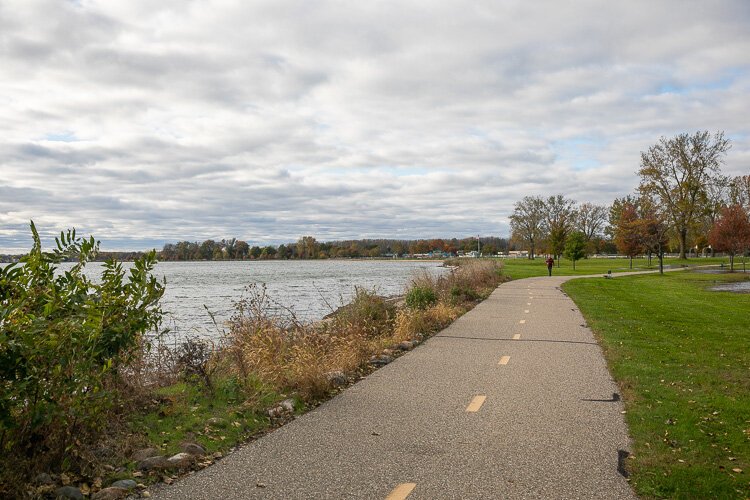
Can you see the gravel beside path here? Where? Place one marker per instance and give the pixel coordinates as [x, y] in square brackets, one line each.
[550, 424]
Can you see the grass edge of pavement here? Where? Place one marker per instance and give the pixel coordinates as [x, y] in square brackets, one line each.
[678, 352]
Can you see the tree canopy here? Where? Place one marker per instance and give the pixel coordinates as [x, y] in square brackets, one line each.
[731, 233]
[575, 246]
[526, 222]
[677, 173]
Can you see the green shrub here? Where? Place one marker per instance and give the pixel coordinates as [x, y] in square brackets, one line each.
[63, 342]
[463, 294]
[421, 297]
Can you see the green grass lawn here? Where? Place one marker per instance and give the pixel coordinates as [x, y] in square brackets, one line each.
[681, 355]
[188, 412]
[524, 268]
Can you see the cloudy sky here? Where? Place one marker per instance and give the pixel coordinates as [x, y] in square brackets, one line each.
[144, 122]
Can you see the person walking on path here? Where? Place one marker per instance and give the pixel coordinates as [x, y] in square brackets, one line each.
[550, 262]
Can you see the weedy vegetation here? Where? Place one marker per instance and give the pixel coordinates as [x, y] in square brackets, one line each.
[66, 348]
[87, 380]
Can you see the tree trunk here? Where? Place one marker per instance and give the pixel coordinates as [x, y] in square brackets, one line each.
[631, 262]
[731, 263]
[661, 260]
[683, 243]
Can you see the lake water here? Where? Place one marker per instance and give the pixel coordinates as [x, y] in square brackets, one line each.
[311, 288]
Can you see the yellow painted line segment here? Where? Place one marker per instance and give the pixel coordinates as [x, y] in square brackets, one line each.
[401, 491]
[516, 336]
[504, 360]
[476, 404]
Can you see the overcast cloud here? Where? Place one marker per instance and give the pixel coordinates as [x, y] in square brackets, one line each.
[144, 122]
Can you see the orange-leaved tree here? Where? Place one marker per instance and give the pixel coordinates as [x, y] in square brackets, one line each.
[731, 233]
[627, 232]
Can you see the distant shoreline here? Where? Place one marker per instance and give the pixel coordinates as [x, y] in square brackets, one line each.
[14, 258]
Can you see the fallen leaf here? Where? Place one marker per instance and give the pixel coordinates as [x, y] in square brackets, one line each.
[737, 470]
[64, 479]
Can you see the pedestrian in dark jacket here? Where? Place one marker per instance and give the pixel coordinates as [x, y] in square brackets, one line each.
[550, 262]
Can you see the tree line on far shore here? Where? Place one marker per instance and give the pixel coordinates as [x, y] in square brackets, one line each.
[307, 247]
[683, 204]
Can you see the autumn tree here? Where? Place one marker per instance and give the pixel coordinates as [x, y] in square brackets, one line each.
[653, 230]
[731, 233]
[739, 192]
[307, 248]
[591, 220]
[559, 220]
[677, 172]
[615, 211]
[241, 250]
[207, 249]
[526, 222]
[627, 231]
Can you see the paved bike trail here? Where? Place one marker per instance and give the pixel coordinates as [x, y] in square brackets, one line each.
[513, 400]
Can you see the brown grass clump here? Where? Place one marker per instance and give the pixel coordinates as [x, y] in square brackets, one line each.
[421, 323]
[292, 356]
[267, 343]
[476, 277]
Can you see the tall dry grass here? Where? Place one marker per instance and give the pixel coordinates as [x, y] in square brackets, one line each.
[266, 343]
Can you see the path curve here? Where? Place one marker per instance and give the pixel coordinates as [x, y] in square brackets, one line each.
[547, 423]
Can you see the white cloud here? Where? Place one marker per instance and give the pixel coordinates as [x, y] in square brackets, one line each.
[270, 120]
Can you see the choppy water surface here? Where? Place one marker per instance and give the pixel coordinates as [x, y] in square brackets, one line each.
[310, 288]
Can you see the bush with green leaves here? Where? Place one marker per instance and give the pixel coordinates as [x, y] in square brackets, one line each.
[421, 297]
[463, 293]
[64, 342]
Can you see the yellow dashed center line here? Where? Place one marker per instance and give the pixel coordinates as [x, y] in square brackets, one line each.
[504, 360]
[516, 336]
[401, 491]
[522, 321]
[476, 404]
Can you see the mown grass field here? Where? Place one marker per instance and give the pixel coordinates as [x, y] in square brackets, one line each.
[524, 268]
[681, 355]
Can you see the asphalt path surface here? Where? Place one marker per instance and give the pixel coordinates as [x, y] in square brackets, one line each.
[513, 400]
